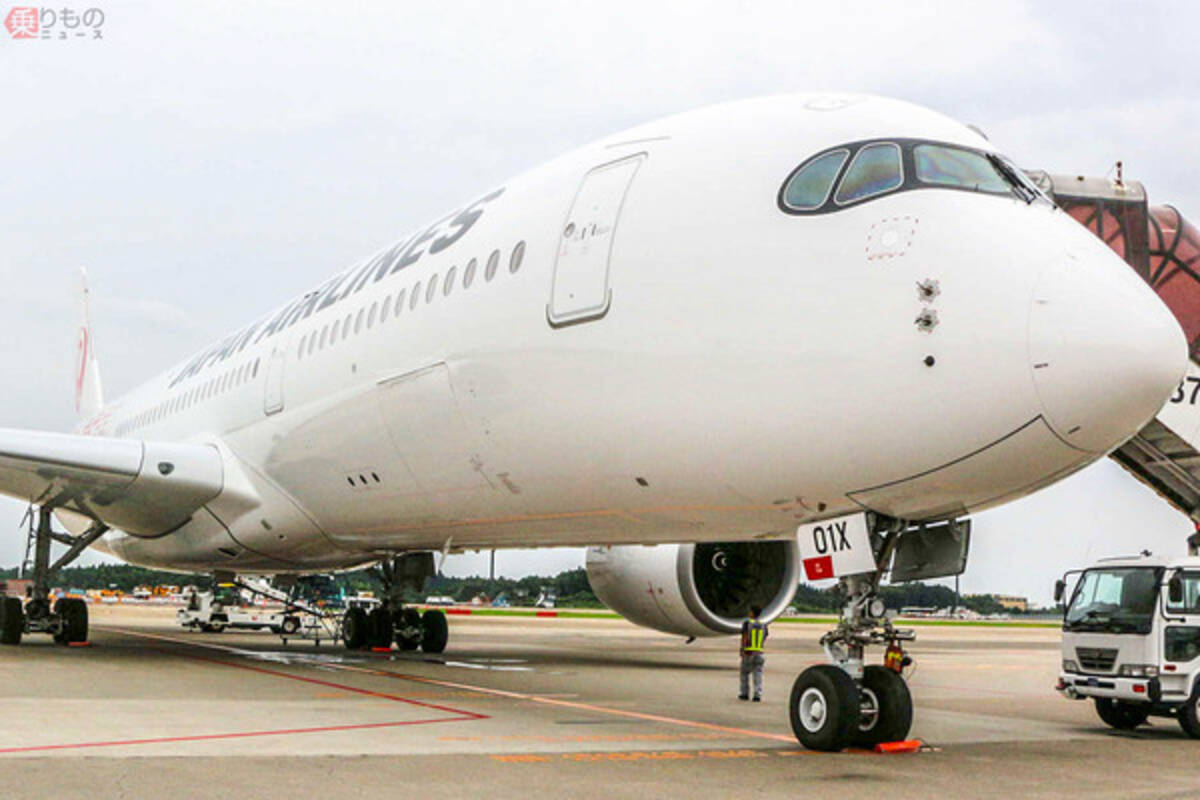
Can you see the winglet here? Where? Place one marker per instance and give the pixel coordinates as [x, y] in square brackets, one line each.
[88, 395]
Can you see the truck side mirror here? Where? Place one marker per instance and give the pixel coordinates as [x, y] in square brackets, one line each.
[1060, 588]
[1175, 590]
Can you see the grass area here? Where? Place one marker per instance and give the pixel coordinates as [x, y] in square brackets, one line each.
[961, 623]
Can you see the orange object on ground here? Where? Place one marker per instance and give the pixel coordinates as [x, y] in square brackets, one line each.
[907, 746]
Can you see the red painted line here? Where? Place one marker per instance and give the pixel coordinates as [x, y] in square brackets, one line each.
[458, 611]
[547, 614]
[457, 714]
[303, 679]
[531, 698]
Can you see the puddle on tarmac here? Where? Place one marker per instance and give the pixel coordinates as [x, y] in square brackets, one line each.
[497, 664]
[336, 659]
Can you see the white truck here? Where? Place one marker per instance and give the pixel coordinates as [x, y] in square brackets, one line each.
[1131, 639]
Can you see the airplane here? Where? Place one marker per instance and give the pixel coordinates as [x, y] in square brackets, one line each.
[701, 334]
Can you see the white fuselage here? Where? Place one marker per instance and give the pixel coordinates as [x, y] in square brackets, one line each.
[668, 358]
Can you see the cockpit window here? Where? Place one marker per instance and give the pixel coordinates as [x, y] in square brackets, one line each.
[953, 166]
[809, 187]
[858, 172]
[875, 169]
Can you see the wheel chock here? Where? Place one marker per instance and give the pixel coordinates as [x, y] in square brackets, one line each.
[381, 649]
[907, 746]
[79, 644]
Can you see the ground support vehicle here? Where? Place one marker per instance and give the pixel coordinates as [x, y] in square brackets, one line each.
[1131, 639]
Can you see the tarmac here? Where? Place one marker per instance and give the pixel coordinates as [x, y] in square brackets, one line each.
[524, 707]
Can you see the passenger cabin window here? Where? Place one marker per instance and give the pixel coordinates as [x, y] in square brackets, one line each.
[809, 188]
[952, 166]
[875, 170]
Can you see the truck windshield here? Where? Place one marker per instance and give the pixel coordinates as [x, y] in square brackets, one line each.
[1117, 600]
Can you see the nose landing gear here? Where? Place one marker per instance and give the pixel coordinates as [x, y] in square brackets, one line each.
[844, 703]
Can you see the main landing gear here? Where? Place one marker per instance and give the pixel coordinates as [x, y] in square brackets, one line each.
[844, 703]
[67, 618]
[393, 621]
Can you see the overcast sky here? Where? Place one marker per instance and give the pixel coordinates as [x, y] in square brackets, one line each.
[206, 161]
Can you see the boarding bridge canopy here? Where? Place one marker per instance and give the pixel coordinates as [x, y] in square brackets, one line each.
[1164, 248]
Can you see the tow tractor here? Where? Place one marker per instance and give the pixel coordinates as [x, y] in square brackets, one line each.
[213, 612]
[1131, 638]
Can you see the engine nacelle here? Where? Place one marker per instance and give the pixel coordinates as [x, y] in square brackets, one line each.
[695, 589]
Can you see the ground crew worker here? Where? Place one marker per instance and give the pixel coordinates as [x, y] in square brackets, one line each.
[754, 636]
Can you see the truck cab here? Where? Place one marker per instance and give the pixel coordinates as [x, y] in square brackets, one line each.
[1131, 639]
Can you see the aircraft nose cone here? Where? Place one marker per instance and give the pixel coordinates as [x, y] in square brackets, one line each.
[1106, 353]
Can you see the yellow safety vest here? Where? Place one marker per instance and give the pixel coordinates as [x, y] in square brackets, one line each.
[756, 632]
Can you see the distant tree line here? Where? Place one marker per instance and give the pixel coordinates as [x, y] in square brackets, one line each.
[125, 577]
[570, 587]
[920, 595]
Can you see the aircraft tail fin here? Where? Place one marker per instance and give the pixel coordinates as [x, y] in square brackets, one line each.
[89, 397]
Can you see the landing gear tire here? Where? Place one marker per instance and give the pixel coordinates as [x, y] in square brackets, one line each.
[379, 625]
[1189, 715]
[435, 631]
[12, 620]
[824, 708]
[885, 707]
[73, 615]
[355, 629]
[1120, 715]
[409, 632]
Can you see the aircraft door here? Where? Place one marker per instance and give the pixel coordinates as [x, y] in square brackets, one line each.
[580, 289]
[273, 394]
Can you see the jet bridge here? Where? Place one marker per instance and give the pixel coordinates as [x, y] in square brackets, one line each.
[1164, 249]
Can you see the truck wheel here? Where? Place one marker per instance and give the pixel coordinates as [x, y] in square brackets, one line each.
[408, 633]
[354, 628]
[290, 625]
[379, 623]
[435, 631]
[824, 708]
[1189, 715]
[885, 707]
[12, 620]
[1121, 715]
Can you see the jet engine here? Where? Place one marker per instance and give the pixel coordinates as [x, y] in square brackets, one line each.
[701, 589]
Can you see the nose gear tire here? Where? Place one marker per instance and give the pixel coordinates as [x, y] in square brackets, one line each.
[824, 708]
[885, 708]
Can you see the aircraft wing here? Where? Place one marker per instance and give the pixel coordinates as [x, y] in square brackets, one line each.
[143, 488]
